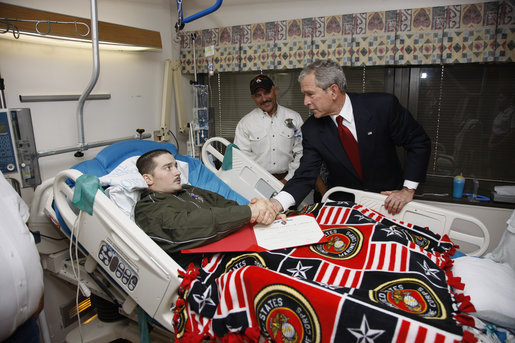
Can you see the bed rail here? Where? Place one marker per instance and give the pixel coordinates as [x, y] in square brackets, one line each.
[123, 251]
[440, 220]
[247, 177]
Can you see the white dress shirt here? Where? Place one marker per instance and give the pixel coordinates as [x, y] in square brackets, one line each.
[348, 117]
[21, 275]
[274, 142]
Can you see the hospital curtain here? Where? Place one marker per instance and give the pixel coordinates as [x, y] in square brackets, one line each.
[471, 33]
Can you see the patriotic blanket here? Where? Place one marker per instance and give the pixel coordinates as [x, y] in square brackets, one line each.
[375, 280]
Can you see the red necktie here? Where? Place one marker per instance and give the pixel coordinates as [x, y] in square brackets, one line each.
[350, 145]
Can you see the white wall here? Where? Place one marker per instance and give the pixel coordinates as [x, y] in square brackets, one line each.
[134, 79]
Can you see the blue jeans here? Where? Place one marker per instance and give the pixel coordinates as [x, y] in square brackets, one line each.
[28, 332]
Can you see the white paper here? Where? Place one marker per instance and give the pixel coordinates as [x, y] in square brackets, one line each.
[297, 231]
[209, 50]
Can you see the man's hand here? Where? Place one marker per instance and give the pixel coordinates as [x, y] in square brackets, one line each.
[396, 200]
[276, 205]
[262, 211]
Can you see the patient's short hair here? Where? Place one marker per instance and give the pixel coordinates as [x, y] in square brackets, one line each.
[145, 162]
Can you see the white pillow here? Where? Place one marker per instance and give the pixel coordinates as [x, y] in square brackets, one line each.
[505, 251]
[125, 175]
[125, 184]
[491, 287]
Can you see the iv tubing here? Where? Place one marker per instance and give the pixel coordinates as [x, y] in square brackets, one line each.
[198, 14]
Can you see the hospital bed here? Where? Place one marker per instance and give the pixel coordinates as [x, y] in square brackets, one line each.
[253, 180]
[113, 245]
[138, 272]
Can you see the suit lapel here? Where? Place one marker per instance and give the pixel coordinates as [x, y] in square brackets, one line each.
[328, 134]
[331, 140]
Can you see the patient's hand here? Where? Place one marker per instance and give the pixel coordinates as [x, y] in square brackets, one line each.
[262, 211]
[396, 200]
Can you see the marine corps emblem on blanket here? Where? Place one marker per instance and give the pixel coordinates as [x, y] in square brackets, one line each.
[369, 282]
[286, 315]
[343, 243]
[410, 295]
[243, 261]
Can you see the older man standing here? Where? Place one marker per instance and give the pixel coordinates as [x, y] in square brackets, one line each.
[270, 134]
[356, 135]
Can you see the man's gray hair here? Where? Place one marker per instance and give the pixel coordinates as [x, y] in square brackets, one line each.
[326, 73]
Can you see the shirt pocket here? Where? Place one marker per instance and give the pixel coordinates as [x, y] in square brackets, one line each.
[258, 141]
[287, 137]
[287, 133]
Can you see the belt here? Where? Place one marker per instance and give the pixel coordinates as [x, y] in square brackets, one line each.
[280, 176]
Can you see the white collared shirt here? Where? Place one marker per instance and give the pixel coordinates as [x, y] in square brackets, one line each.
[21, 280]
[348, 117]
[271, 141]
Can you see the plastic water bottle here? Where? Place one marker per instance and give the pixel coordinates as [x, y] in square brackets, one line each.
[457, 188]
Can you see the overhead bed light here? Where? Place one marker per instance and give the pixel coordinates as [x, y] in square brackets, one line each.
[33, 25]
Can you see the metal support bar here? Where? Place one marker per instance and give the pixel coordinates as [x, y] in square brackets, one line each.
[91, 145]
[94, 76]
[69, 97]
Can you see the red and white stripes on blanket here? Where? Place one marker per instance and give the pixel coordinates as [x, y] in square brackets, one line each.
[373, 281]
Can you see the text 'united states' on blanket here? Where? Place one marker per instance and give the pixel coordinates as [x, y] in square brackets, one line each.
[374, 280]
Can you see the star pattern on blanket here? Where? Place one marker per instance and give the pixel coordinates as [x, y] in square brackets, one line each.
[396, 285]
[299, 271]
[204, 299]
[233, 328]
[429, 271]
[362, 218]
[392, 231]
[364, 333]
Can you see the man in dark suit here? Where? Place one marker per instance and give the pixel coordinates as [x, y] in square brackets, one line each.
[376, 121]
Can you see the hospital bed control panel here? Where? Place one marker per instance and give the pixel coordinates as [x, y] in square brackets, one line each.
[118, 267]
[18, 154]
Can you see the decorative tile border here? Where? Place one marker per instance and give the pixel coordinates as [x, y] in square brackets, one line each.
[482, 32]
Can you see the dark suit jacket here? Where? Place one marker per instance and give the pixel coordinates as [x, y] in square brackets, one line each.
[381, 125]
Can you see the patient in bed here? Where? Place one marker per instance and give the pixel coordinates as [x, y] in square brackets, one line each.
[180, 216]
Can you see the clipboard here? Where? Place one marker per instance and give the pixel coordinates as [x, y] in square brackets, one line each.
[298, 231]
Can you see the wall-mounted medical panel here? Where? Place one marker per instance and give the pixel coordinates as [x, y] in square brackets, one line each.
[18, 153]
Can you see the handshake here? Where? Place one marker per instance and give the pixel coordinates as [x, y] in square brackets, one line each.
[265, 211]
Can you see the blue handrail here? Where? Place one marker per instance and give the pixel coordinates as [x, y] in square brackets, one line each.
[181, 21]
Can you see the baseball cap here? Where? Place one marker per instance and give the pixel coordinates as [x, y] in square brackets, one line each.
[260, 81]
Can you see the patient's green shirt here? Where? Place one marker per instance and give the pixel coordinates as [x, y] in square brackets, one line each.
[188, 218]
